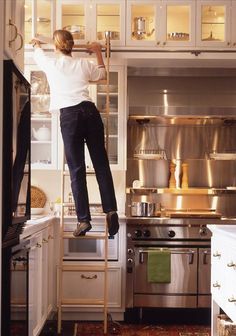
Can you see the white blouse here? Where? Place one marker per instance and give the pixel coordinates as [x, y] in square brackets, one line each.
[68, 78]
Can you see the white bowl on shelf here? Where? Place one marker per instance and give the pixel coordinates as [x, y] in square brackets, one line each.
[36, 211]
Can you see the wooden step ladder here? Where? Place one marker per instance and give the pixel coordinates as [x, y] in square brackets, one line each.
[63, 266]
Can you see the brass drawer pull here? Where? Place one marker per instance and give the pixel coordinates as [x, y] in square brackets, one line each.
[38, 245]
[231, 264]
[216, 285]
[89, 277]
[232, 299]
[45, 240]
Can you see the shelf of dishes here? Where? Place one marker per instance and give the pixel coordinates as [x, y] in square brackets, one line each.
[179, 191]
[151, 154]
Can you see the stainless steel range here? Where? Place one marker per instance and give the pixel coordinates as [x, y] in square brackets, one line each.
[190, 265]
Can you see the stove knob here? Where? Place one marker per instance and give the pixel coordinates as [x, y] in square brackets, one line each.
[146, 233]
[203, 231]
[130, 251]
[138, 233]
[171, 233]
[130, 261]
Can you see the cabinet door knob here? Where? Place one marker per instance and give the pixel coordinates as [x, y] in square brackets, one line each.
[231, 264]
[232, 299]
[164, 43]
[228, 43]
[38, 245]
[217, 254]
[216, 285]
[158, 42]
[44, 240]
[50, 237]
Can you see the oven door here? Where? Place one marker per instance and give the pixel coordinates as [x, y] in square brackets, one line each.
[90, 249]
[204, 278]
[181, 291]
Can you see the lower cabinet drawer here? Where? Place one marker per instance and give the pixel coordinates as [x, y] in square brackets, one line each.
[89, 285]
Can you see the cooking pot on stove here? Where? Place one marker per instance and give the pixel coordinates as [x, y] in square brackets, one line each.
[143, 209]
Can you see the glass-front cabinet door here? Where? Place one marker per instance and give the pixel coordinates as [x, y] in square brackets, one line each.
[143, 20]
[213, 23]
[39, 18]
[43, 123]
[72, 15]
[109, 17]
[113, 117]
[161, 23]
[178, 28]
[233, 24]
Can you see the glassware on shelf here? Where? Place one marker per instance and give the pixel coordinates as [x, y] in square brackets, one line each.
[73, 20]
[108, 20]
[213, 23]
[178, 23]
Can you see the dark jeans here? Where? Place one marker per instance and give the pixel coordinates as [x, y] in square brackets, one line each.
[79, 124]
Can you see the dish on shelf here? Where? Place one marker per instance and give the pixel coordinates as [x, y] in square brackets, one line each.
[148, 156]
[231, 188]
[36, 211]
[223, 156]
[41, 115]
[103, 88]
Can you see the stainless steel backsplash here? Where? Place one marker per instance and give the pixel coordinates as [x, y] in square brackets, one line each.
[194, 116]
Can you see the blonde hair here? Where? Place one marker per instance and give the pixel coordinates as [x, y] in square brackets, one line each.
[63, 41]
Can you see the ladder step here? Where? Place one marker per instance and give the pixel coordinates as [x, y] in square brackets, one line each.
[67, 173]
[83, 268]
[89, 235]
[85, 302]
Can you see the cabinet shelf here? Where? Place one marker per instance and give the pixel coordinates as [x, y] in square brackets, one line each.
[41, 142]
[179, 191]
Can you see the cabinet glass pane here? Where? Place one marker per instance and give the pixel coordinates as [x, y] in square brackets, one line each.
[213, 23]
[44, 17]
[108, 19]
[41, 122]
[112, 117]
[178, 20]
[73, 20]
[143, 22]
[28, 21]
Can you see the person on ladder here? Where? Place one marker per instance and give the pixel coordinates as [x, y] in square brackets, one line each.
[80, 122]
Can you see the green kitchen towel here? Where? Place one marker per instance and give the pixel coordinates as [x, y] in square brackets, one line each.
[159, 266]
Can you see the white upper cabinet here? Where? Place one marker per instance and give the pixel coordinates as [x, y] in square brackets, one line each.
[73, 15]
[39, 18]
[14, 31]
[233, 25]
[178, 23]
[143, 23]
[109, 16]
[214, 23]
[90, 20]
[160, 23]
[44, 125]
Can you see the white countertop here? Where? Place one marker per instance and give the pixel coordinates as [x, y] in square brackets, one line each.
[36, 224]
[227, 230]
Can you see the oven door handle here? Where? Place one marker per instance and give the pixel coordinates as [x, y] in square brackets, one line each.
[190, 253]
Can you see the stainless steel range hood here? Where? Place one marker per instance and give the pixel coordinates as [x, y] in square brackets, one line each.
[182, 95]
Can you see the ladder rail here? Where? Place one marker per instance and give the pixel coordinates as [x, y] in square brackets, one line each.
[103, 303]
